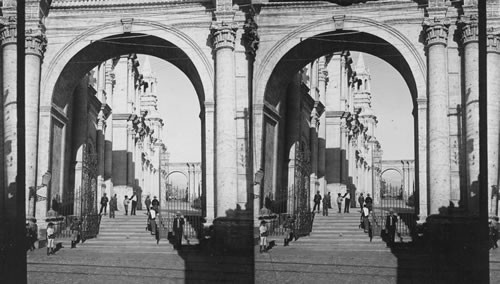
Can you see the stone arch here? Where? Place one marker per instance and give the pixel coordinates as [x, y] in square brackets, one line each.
[177, 172]
[391, 169]
[412, 67]
[199, 68]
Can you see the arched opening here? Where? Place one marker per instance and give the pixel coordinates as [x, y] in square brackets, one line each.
[302, 103]
[105, 94]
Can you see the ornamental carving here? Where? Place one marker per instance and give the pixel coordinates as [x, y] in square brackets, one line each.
[36, 44]
[8, 32]
[251, 36]
[469, 29]
[436, 31]
[493, 42]
[223, 35]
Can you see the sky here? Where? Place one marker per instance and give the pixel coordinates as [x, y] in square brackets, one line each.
[179, 107]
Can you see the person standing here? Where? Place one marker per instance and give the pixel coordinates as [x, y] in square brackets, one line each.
[147, 202]
[329, 200]
[317, 201]
[361, 200]
[32, 230]
[369, 202]
[152, 221]
[156, 204]
[288, 226]
[126, 201]
[347, 197]
[339, 202]
[390, 226]
[365, 214]
[133, 198]
[50, 238]
[178, 228]
[104, 203]
[325, 206]
[76, 227]
[113, 206]
[263, 236]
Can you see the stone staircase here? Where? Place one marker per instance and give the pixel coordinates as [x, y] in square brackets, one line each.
[127, 234]
[339, 232]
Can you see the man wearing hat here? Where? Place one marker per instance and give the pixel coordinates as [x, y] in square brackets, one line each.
[156, 204]
[390, 226]
[178, 228]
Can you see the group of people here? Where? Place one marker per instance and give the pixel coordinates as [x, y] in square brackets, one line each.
[346, 198]
[369, 220]
[113, 204]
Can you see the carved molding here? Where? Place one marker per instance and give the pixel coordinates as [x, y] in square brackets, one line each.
[251, 36]
[223, 35]
[36, 44]
[468, 26]
[436, 31]
[8, 32]
[493, 42]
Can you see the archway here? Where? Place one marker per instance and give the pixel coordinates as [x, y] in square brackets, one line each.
[86, 52]
[278, 85]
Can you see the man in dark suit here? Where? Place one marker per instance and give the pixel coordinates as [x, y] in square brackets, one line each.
[178, 228]
[390, 226]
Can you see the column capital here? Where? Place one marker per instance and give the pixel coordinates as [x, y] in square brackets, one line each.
[493, 41]
[323, 74]
[468, 27]
[8, 31]
[36, 44]
[223, 35]
[436, 31]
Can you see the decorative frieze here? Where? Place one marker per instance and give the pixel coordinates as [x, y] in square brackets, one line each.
[468, 26]
[436, 31]
[223, 35]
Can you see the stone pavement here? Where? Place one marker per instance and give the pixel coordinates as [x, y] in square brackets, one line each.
[314, 259]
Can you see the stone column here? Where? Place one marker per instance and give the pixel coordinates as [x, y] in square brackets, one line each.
[130, 153]
[108, 143]
[493, 98]
[323, 76]
[208, 158]
[9, 80]
[101, 128]
[438, 140]
[225, 113]
[422, 159]
[470, 51]
[35, 47]
[313, 130]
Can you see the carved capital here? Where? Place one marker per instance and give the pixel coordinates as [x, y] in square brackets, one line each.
[251, 36]
[8, 31]
[493, 42]
[223, 35]
[468, 26]
[436, 31]
[323, 74]
[36, 44]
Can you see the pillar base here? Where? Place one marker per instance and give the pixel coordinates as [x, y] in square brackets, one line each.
[453, 241]
[234, 235]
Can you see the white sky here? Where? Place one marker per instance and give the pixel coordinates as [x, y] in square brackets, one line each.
[179, 107]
